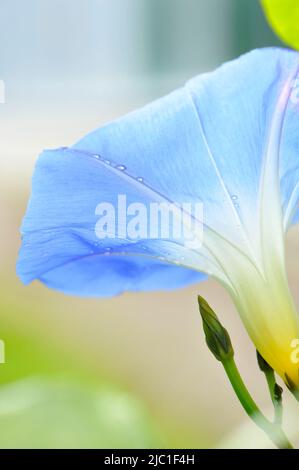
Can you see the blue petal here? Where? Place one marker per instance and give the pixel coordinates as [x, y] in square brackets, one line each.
[100, 276]
[60, 246]
[204, 142]
[236, 105]
[210, 138]
[289, 161]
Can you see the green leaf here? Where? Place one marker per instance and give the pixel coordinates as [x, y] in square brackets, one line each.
[283, 16]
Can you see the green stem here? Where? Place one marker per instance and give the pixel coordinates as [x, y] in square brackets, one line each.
[273, 430]
[271, 381]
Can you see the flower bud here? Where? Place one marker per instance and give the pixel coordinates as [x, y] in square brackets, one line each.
[217, 337]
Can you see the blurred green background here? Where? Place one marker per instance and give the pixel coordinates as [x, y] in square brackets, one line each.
[131, 371]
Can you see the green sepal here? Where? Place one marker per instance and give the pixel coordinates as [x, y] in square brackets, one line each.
[263, 365]
[292, 386]
[278, 391]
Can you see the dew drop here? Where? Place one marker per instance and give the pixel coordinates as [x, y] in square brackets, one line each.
[121, 167]
[97, 157]
[234, 197]
[140, 179]
[108, 162]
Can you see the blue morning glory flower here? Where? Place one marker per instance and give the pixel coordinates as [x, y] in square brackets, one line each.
[228, 139]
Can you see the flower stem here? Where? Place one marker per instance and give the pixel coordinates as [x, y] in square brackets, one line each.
[277, 402]
[274, 389]
[273, 430]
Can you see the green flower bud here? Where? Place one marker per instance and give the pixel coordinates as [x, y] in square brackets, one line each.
[217, 338]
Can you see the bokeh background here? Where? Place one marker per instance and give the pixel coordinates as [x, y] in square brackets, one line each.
[131, 371]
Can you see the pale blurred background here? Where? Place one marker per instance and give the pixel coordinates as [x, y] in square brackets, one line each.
[132, 371]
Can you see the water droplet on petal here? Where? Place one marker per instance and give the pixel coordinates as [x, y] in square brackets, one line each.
[98, 157]
[234, 197]
[140, 179]
[108, 162]
[121, 167]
